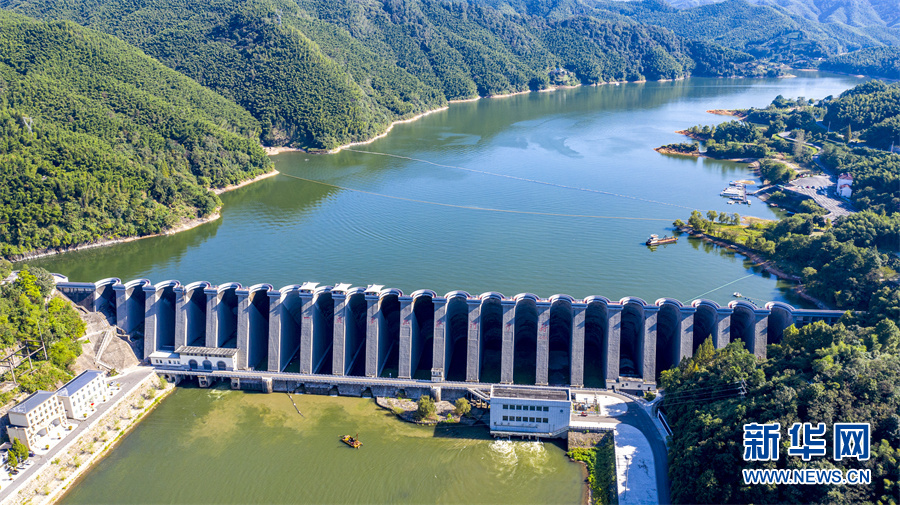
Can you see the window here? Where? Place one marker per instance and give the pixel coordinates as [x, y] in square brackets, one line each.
[546, 409]
[532, 407]
[530, 419]
[518, 407]
[546, 420]
[519, 419]
[506, 418]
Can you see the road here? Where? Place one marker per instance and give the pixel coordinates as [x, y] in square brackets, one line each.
[821, 188]
[128, 382]
[638, 417]
[827, 183]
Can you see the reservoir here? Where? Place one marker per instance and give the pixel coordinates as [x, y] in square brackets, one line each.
[284, 230]
[231, 447]
[412, 216]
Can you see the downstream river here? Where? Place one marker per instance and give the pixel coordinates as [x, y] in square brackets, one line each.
[581, 234]
[283, 230]
[223, 447]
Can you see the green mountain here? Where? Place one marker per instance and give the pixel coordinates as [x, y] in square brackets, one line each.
[765, 31]
[873, 61]
[320, 73]
[849, 12]
[100, 140]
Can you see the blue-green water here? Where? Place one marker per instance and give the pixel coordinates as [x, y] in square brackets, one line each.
[284, 231]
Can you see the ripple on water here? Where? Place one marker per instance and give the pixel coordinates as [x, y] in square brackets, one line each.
[503, 452]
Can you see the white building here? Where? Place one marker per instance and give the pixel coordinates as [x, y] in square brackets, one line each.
[844, 189]
[33, 418]
[196, 358]
[81, 395]
[530, 412]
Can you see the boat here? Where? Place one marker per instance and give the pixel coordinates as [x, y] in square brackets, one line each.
[351, 441]
[735, 192]
[736, 295]
[655, 240]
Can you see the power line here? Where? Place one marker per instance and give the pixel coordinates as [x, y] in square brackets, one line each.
[472, 207]
[524, 179]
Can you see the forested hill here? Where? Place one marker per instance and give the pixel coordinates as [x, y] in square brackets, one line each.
[98, 140]
[853, 13]
[764, 31]
[320, 73]
[873, 61]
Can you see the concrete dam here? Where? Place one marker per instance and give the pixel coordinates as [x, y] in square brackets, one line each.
[458, 337]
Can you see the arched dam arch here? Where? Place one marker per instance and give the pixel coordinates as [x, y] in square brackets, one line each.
[377, 332]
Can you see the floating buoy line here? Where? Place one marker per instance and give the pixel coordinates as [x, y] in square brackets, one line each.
[524, 179]
[473, 207]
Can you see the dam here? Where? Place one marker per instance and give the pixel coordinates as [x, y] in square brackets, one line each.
[345, 331]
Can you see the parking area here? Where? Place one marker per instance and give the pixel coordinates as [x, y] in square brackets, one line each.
[821, 189]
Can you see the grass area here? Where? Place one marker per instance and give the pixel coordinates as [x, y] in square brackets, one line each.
[601, 467]
[739, 234]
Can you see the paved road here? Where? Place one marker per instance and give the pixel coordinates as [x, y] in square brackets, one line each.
[638, 417]
[828, 199]
[128, 381]
[821, 188]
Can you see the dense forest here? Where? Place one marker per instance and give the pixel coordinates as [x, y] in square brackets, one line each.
[872, 61]
[818, 373]
[29, 312]
[861, 13]
[869, 112]
[765, 31]
[98, 140]
[317, 73]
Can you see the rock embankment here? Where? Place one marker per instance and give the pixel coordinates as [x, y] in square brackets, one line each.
[405, 409]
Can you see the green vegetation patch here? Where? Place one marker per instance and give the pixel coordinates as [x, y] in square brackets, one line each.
[601, 468]
[100, 141]
[28, 312]
[321, 73]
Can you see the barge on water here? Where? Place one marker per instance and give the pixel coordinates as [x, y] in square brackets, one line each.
[352, 441]
[655, 240]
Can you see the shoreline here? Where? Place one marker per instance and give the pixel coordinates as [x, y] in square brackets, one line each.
[184, 225]
[765, 264]
[233, 187]
[388, 130]
[69, 484]
[53, 479]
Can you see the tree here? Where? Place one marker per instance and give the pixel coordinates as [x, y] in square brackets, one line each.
[425, 409]
[462, 407]
[12, 460]
[799, 139]
[20, 450]
[735, 219]
[711, 215]
[724, 218]
[5, 268]
[848, 134]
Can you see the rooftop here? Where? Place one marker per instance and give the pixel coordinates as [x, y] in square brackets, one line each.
[79, 382]
[32, 402]
[559, 394]
[164, 354]
[206, 351]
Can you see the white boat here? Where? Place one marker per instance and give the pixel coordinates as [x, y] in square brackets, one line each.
[736, 192]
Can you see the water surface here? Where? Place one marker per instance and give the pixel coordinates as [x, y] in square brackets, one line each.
[284, 231]
[232, 447]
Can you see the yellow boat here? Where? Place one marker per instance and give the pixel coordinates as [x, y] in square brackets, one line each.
[351, 441]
